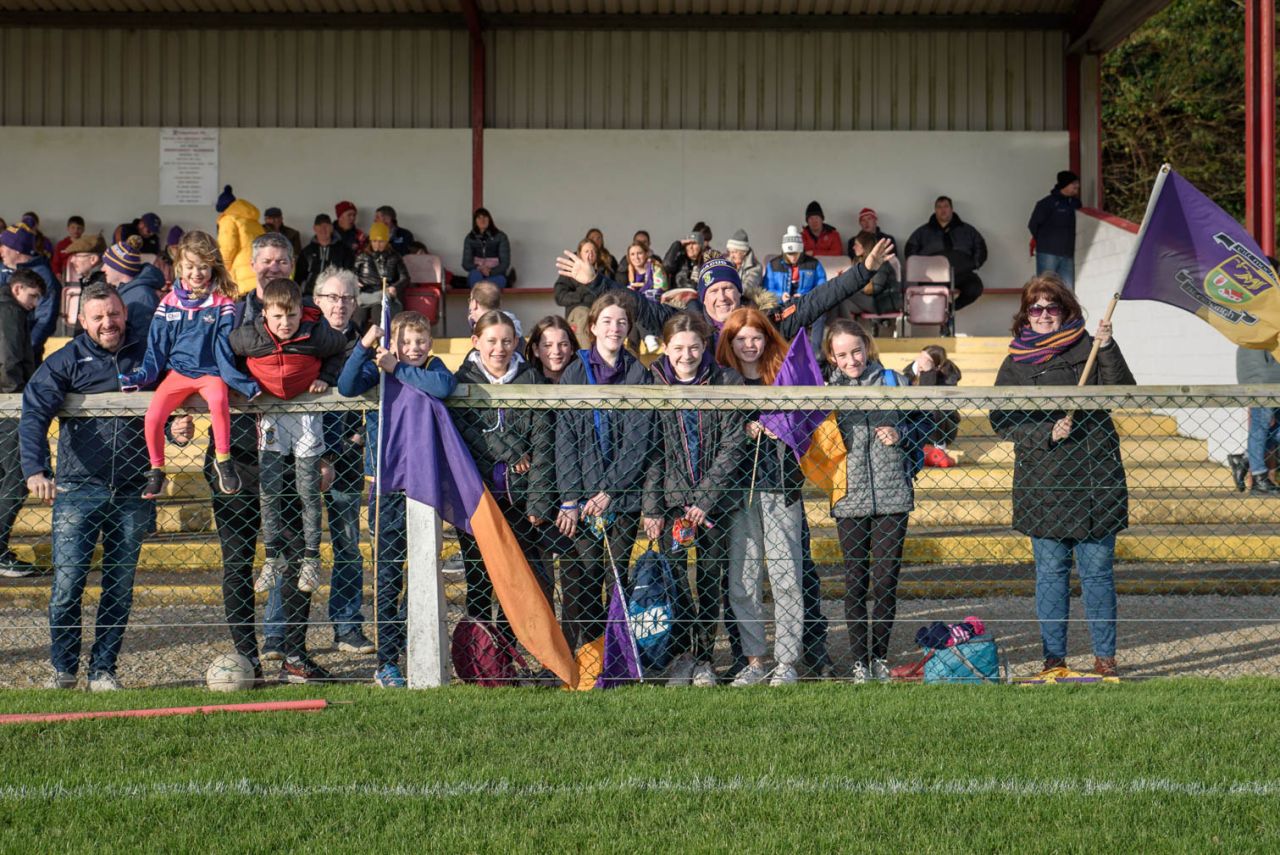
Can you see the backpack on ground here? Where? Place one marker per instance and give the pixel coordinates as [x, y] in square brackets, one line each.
[483, 655]
[651, 608]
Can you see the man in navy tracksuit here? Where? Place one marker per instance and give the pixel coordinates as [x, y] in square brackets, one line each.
[1053, 228]
[102, 465]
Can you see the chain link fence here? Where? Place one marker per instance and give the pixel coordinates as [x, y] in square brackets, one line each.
[767, 569]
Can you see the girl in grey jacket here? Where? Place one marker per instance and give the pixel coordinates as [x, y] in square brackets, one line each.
[871, 515]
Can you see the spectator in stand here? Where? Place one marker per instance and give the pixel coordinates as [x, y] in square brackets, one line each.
[401, 238]
[381, 264]
[946, 235]
[932, 367]
[607, 261]
[487, 297]
[1069, 490]
[1053, 228]
[642, 237]
[44, 246]
[149, 230]
[18, 300]
[324, 251]
[18, 252]
[486, 252]
[348, 232]
[685, 257]
[335, 295]
[139, 285]
[568, 292]
[750, 270]
[794, 273]
[102, 465]
[238, 228]
[552, 346]
[75, 230]
[83, 260]
[1257, 367]
[273, 221]
[819, 238]
[3, 224]
[883, 293]
[869, 222]
[643, 272]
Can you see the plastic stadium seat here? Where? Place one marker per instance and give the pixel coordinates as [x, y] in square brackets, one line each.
[426, 293]
[928, 292]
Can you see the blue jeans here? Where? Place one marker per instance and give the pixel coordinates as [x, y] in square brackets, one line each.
[346, 589]
[1063, 265]
[1262, 438]
[80, 515]
[1053, 591]
[499, 279]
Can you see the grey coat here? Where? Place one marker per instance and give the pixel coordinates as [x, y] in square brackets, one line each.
[1256, 366]
[875, 474]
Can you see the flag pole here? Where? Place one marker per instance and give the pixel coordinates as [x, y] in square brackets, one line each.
[755, 461]
[377, 461]
[1156, 188]
[617, 581]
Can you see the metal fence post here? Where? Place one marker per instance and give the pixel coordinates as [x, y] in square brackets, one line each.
[427, 612]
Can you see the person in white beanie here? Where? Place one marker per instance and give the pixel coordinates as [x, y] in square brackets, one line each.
[750, 270]
[794, 273]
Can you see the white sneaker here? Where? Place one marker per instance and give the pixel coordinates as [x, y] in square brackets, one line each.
[750, 676]
[861, 673]
[61, 680]
[269, 577]
[704, 675]
[681, 671]
[880, 670]
[104, 682]
[309, 576]
[784, 675]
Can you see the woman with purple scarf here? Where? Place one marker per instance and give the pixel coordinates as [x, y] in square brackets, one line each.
[1069, 492]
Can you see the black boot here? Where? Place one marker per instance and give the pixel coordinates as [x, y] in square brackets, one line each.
[1239, 468]
[1264, 485]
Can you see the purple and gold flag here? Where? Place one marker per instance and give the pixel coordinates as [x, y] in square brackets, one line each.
[799, 368]
[1193, 255]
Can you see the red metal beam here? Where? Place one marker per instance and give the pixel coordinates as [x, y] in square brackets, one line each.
[475, 28]
[1260, 122]
[1073, 113]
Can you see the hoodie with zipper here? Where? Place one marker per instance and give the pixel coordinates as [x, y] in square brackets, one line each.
[876, 482]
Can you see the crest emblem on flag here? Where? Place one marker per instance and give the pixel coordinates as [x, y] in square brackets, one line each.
[1235, 280]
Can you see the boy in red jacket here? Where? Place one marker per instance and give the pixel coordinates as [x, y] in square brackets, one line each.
[290, 349]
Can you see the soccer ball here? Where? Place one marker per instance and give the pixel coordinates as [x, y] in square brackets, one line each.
[230, 672]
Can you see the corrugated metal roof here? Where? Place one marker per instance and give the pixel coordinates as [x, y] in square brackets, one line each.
[499, 7]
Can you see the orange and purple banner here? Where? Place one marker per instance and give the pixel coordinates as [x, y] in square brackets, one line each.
[424, 455]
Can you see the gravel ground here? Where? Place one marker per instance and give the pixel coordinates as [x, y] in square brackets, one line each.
[1159, 636]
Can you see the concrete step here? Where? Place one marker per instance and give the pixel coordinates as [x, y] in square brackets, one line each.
[1170, 451]
[1129, 423]
[1190, 477]
[1177, 544]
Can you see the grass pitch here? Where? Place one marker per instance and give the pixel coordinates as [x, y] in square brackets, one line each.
[1186, 765]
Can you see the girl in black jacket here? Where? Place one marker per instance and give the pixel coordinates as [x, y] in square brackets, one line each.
[512, 450]
[486, 252]
[600, 466]
[694, 483]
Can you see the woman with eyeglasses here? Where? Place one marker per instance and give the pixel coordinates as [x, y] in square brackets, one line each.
[1069, 492]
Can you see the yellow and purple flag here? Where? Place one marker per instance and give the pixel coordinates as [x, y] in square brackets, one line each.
[424, 455]
[811, 434]
[1193, 255]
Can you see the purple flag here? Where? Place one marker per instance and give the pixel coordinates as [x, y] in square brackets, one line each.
[1193, 255]
[621, 663]
[799, 368]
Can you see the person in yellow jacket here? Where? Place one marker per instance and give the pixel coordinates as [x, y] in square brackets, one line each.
[237, 227]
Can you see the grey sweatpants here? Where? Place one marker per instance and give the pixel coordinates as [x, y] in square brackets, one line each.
[768, 532]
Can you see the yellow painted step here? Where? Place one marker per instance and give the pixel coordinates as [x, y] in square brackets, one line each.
[1134, 452]
[1134, 424]
[1189, 477]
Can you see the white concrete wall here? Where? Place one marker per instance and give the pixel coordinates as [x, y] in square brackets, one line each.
[546, 188]
[1163, 345]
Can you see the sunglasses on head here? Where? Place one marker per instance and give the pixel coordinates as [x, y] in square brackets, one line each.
[1054, 310]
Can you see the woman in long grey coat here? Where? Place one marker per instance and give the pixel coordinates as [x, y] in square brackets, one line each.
[871, 516]
[1069, 492]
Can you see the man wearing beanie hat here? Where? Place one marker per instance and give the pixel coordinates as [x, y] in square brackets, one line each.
[18, 252]
[138, 284]
[869, 221]
[819, 238]
[795, 272]
[273, 221]
[743, 257]
[238, 227]
[1053, 228]
[345, 226]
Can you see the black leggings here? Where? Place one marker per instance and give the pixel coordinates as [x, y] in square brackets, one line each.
[872, 560]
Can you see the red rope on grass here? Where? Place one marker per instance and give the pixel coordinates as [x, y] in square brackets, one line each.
[270, 706]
